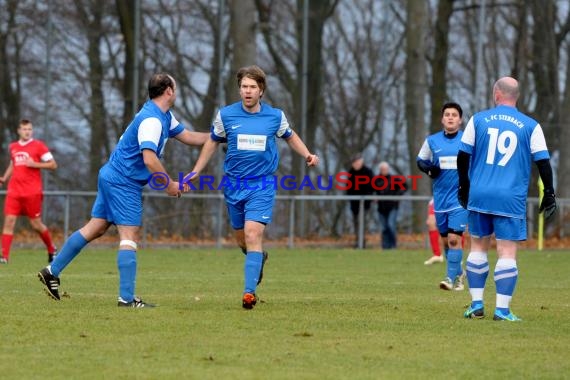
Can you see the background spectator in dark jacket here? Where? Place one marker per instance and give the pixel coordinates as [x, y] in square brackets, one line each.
[388, 209]
[359, 169]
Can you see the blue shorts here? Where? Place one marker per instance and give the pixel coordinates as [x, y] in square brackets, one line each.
[252, 202]
[455, 220]
[504, 227]
[119, 200]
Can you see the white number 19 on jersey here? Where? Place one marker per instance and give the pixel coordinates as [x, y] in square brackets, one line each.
[505, 143]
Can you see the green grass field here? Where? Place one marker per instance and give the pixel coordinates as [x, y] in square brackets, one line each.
[325, 314]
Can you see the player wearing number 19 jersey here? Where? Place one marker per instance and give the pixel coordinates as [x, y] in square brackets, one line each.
[494, 163]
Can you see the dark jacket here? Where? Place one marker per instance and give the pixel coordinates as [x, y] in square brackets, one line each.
[363, 189]
[388, 188]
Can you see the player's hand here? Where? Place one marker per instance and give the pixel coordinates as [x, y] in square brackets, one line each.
[193, 177]
[434, 171]
[463, 194]
[173, 189]
[30, 163]
[548, 204]
[312, 160]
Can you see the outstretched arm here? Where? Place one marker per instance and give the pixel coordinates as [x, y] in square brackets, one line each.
[299, 146]
[206, 154]
[192, 138]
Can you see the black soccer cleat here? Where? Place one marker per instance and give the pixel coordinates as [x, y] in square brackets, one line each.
[265, 257]
[51, 283]
[135, 303]
[51, 256]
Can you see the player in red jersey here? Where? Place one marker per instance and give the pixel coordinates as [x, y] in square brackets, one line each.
[433, 237]
[25, 192]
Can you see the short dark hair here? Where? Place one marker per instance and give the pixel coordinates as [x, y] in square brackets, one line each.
[24, 122]
[158, 83]
[452, 105]
[253, 72]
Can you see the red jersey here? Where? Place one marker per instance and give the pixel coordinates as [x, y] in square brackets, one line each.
[25, 180]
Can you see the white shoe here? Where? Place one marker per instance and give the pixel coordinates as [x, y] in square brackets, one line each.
[433, 260]
[446, 284]
[458, 283]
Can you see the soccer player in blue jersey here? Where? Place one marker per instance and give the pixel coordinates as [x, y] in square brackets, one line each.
[250, 128]
[494, 163]
[438, 159]
[119, 189]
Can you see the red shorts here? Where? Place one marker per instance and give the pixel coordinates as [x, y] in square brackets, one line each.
[30, 206]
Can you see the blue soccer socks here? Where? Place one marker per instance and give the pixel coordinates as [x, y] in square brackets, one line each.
[477, 268]
[70, 249]
[454, 257]
[127, 264]
[506, 275]
[252, 268]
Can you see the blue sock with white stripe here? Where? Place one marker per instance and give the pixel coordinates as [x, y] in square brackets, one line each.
[506, 275]
[477, 268]
[127, 264]
[252, 268]
[454, 257]
[71, 248]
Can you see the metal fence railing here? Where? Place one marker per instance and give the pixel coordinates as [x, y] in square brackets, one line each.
[69, 210]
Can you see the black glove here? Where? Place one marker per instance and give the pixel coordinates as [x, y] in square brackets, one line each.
[463, 194]
[434, 171]
[548, 204]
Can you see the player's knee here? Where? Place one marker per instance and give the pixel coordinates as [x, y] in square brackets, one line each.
[252, 237]
[454, 243]
[37, 226]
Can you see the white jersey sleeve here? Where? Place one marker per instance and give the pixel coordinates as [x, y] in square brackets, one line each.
[46, 157]
[469, 133]
[218, 126]
[537, 140]
[150, 131]
[425, 152]
[284, 130]
[173, 122]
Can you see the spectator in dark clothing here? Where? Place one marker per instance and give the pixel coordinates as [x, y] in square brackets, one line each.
[359, 188]
[388, 209]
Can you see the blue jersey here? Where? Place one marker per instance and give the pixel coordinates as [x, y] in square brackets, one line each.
[150, 129]
[502, 142]
[251, 137]
[442, 150]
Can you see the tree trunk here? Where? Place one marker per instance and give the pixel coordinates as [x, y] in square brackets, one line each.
[242, 31]
[99, 143]
[416, 90]
[126, 14]
[438, 89]
[10, 97]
